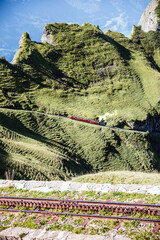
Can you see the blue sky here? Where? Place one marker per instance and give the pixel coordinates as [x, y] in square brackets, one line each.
[19, 16]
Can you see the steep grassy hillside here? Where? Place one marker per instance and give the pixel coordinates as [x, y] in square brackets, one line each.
[45, 147]
[88, 73]
[106, 73]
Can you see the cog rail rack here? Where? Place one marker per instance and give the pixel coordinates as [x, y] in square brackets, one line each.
[95, 206]
[83, 207]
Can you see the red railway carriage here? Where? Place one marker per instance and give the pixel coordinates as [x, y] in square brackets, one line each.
[84, 120]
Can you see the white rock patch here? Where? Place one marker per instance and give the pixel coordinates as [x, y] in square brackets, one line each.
[44, 186]
[149, 21]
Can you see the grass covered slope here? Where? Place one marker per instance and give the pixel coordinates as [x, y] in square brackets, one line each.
[120, 177]
[106, 73]
[45, 148]
[111, 71]
[84, 72]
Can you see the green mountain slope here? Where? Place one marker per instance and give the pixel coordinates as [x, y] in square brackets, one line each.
[46, 147]
[88, 73]
[106, 72]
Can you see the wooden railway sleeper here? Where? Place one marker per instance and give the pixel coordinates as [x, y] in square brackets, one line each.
[156, 228]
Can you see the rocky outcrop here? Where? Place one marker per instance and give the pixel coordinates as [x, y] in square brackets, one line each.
[47, 37]
[151, 124]
[149, 20]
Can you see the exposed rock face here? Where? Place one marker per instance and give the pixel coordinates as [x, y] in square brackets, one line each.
[149, 20]
[47, 37]
[151, 124]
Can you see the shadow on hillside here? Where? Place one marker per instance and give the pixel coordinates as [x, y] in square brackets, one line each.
[3, 162]
[45, 67]
[125, 53]
[153, 64]
[72, 162]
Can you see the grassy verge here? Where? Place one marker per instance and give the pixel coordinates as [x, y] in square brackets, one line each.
[121, 177]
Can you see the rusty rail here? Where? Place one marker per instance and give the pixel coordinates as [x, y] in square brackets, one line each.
[95, 206]
[87, 216]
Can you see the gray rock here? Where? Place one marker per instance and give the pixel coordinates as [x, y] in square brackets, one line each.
[44, 186]
[149, 21]
[65, 186]
[47, 37]
[41, 234]
[13, 233]
[34, 184]
[154, 190]
[75, 186]
[42, 189]
[55, 185]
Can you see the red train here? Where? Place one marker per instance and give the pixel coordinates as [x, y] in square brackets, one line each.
[87, 120]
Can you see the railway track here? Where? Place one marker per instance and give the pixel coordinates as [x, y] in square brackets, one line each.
[116, 210]
[94, 206]
[60, 116]
[87, 216]
[81, 205]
